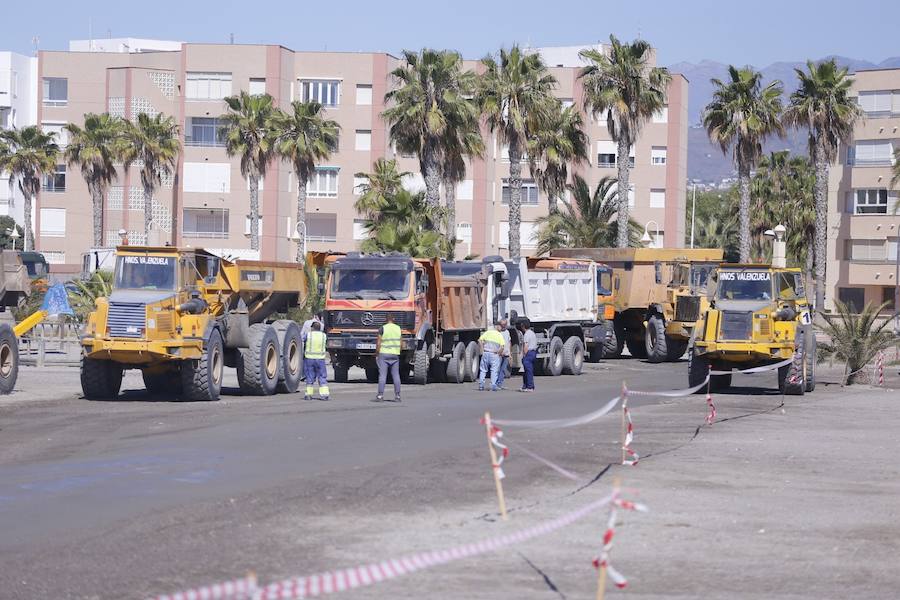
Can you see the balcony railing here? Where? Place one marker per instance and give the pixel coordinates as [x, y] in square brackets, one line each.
[208, 235]
[204, 143]
[871, 162]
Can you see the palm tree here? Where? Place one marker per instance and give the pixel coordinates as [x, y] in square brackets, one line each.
[742, 114]
[855, 339]
[248, 134]
[304, 137]
[823, 105]
[463, 140]
[432, 92]
[381, 184]
[623, 84]
[515, 96]
[589, 221]
[712, 231]
[30, 154]
[408, 224]
[152, 143]
[553, 149]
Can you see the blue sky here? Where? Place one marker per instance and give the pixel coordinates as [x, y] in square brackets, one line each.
[757, 33]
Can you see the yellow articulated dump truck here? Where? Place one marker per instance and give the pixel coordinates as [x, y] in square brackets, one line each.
[182, 315]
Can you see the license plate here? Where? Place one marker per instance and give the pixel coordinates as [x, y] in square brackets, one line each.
[365, 346]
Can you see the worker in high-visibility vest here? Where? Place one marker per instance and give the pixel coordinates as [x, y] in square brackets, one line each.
[314, 362]
[387, 353]
[492, 345]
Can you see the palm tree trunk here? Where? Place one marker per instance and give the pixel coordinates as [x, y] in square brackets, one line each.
[301, 215]
[623, 162]
[148, 213]
[515, 201]
[552, 202]
[450, 194]
[821, 196]
[97, 208]
[28, 242]
[744, 213]
[431, 172]
[810, 244]
[254, 211]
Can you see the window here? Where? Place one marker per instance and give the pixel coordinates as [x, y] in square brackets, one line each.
[358, 184]
[527, 234]
[204, 177]
[359, 230]
[658, 155]
[892, 248]
[326, 92]
[207, 86]
[529, 192]
[567, 102]
[321, 227]
[871, 153]
[874, 201]
[203, 131]
[657, 198]
[662, 115]
[56, 91]
[631, 193]
[58, 130]
[257, 86]
[363, 139]
[464, 232]
[887, 296]
[504, 154]
[363, 94]
[866, 250]
[854, 298]
[53, 222]
[54, 257]
[413, 182]
[205, 223]
[323, 183]
[607, 151]
[56, 181]
[875, 103]
[465, 190]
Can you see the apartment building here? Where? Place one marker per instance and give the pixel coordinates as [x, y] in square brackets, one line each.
[864, 225]
[205, 203]
[18, 108]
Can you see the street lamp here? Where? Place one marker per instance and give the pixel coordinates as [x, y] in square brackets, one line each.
[123, 237]
[646, 240]
[779, 247]
[299, 236]
[14, 234]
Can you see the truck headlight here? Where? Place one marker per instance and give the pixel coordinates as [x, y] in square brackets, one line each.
[334, 343]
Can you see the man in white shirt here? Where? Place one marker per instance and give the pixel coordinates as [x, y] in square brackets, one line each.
[529, 354]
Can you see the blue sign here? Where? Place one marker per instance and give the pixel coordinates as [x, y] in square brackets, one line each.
[56, 301]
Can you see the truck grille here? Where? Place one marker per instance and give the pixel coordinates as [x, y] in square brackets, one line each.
[736, 325]
[127, 319]
[368, 319]
[687, 308]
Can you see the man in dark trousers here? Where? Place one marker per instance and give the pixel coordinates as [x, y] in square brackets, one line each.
[387, 353]
[529, 354]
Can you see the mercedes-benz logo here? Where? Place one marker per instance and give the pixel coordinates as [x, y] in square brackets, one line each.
[367, 318]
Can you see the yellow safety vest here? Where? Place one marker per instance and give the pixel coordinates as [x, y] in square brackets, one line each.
[315, 345]
[493, 340]
[390, 338]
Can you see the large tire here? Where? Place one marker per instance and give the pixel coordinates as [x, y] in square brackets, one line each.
[698, 369]
[637, 346]
[790, 376]
[554, 362]
[100, 379]
[573, 356]
[291, 356]
[202, 379]
[9, 359]
[421, 364]
[656, 347]
[473, 361]
[456, 366]
[258, 366]
[676, 348]
[163, 383]
[811, 358]
[605, 343]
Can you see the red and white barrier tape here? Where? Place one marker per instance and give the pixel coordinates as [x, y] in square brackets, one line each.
[239, 589]
[629, 432]
[879, 364]
[711, 415]
[602, 561]
[754, 370]
[562, 471]
[356, 577]
[673, 393]
[561, 423]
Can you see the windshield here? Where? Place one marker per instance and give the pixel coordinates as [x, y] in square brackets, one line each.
[745, 285]
[358, 283]
[604, 282]
[699, 276]
[145, 272]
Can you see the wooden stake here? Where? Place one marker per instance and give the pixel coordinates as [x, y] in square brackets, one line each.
[497, 481]
[624, 426]
[601, 572]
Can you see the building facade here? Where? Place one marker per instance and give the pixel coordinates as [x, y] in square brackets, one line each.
[205, 204]
[18, 108]
[864, 224]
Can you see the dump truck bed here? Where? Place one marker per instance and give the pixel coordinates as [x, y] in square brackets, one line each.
[553, 291]
[461, 291]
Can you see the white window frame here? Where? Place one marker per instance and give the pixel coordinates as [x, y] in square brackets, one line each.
[315, 187]
[359, 230]
[659, 155]
[364, 98]
[217, 216]
[657, 198]
[45, 92]
[876, 103]
[56, 231]
[872, 153]
[877, 198]
[363, 142]
[206, 86]
[529, 187]
[320, 238]
[318, 89]
[662, 115]
[861, 250]
[255, 83]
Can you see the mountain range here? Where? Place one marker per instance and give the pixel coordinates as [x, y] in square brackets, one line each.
[706, 163]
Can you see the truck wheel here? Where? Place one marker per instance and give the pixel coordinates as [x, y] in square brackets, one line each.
[202, 379]
[676, 348]
[437, 372]
[291, 357]
[573, 356]
[9, 359]
[162, 383]
[341, 372]
[698, 369]
[790, 376]
[811, 357]
[637, 346]
[473, 361]
[100, 379]
[259, 365]
[656, 348]
[456, 366]
[555, 360]
[420, 366]
[604, 344]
